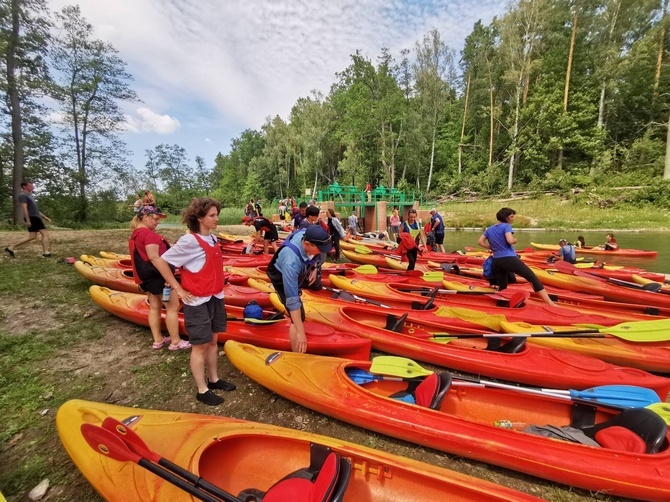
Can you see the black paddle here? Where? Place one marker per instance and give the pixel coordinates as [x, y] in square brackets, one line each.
[107, 444]
[135, 444]
[347, 296]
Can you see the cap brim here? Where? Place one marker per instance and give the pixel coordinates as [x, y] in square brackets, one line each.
[324, 248]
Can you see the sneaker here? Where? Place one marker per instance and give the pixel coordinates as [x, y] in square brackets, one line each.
[221, 385]
[46, 255]
[209, 398]
[10, 252]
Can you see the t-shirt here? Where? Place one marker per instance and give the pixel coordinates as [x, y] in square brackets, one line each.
[144, 237]
[495, 234]
[26, 198]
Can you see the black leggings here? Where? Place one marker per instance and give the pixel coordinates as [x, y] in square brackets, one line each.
[411, 257]
[501, 267]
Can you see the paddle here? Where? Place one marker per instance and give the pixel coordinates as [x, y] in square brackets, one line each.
[609, 395]
[662, 410]
[360, 376]
[366, 269]
[346, 295]
[565, 267]
[135, 444]
[106, 443]
[654, 287]
[362, 250]
[520, 335]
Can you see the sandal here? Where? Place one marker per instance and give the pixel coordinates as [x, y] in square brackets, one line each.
[160, 345]
[183, 344]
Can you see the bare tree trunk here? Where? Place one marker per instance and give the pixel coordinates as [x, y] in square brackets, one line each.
[465, 116]
[432, 150]
[666, 171]
[15, 105]
[566, 92]
[661, 40]
[515, 134]
[491, 133]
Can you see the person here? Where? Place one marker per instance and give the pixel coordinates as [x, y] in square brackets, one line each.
[137, 205]
[145, 246]
[395, 224]
[437, 227]
[580, 242]
[336, 232]
[411, 237]
[149, 199]
[258, 208]
[368, 191]
[610, 243]
[566, 252]
[499, 238]
[33, 219]
[281, 209]
[250, 209]
[297, 265]
[311, 217]
[300, 215]
[353, 223]
[265, 231]
[199, 256]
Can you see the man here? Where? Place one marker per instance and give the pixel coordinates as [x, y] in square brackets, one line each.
[311, 217]
[300, 215]
[258, 208]
[32, 218]
[265, 230]
[353, 224]
[437, 227]
[297, 265]
[566, 252]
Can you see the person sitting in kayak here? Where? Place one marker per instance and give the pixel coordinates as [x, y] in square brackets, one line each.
[581, 243]
[566, 252]
[499, 238]
[610, 243]
[296, 268]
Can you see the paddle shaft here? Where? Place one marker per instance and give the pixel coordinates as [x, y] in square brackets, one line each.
[553, 334]
[178, 482]
[359, 298]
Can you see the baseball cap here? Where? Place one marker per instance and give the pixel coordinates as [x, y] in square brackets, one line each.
[316, 235]
[151, 210]
[433, 210]
[563, 240]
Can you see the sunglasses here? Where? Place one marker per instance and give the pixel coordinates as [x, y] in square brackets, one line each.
[319, 242]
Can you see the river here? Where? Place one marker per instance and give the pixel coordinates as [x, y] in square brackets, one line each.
[458, 239]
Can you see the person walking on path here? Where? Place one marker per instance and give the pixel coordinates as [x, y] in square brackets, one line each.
[33, 219]
[336, 232]
[199, 256]
[297, 265]
[395, 225]
[499, 238]
[437, 227]
[145, 246]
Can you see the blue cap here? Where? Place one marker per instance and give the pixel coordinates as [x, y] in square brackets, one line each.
[316, 235]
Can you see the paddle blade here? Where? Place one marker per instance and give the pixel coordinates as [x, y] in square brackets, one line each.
[107, 444]
[398, 366]
[662, 410]
[132, 440]
[641, 331]
[628, 396]
[362, 250]
[366, 269]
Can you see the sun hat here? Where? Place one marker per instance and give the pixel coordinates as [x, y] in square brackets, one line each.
[318, 236]
[151, 210]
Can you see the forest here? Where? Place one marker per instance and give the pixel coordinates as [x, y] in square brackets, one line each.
[560, 96]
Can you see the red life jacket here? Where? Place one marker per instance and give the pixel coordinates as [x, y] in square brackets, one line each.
[209, 280]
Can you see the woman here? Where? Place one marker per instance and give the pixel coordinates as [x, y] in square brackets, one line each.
[580, 242]
[411, 236]
[145, 247]
[137, 205]
[149, 199]
[199, 256]
[395, 224]
[336, 232]
[500, 239]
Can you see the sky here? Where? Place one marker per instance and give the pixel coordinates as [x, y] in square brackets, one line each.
[206, 70]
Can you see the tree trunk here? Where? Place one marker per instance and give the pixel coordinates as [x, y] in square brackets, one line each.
[568, 73]
[15, 105]
[491, 133]
[432, 150]
[465, 116]
[666, 172]
[515, 134]
[661, 40]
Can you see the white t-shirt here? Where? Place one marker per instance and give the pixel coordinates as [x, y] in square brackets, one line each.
[188, 254]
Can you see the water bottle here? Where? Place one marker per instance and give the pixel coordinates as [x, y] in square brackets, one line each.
[507, 424]
[166, 293]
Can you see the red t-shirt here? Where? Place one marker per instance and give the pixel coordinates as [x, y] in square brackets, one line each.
[143, 237]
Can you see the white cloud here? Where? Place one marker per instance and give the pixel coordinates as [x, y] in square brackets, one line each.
[207, 140]
[149, 121]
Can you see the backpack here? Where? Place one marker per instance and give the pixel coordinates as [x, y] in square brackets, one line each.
[487, 267]
[253, 310]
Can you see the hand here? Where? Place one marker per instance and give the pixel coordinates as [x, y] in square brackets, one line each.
[184, 295]
[47, 218]
[26, 223]
[298, 341]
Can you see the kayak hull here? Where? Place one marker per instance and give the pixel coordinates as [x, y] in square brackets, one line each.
[320, 339]
[636, 253]
[462, 425]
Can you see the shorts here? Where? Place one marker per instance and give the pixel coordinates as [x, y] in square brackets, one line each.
[202, 321]
[154, 286]
[271, 234]
[36, 224]
[439, 238]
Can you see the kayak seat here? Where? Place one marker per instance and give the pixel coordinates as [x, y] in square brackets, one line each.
[395, 323]
[513, 346]
[649, 428]
[429, 392]
[328, 483]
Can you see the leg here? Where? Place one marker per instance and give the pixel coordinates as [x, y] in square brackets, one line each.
[45, 241]
[172, 318]
[155, 317]
[198, 358]
[266, 247]
[31, 237]
[411, 257]
[212, 360]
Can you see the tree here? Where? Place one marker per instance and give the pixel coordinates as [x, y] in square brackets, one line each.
[91, 80]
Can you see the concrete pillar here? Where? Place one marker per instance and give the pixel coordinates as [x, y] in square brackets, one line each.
[381, 219]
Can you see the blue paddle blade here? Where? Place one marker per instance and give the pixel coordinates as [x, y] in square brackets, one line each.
[360, 376]
[628, 396]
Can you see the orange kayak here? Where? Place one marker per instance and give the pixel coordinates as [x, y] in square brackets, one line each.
[460, 419]
[233, 455]
[320, 339]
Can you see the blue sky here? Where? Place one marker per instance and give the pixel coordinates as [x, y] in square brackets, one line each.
[206, 70]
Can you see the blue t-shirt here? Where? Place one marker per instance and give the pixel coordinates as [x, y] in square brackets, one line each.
[567, 252]
[495, 234]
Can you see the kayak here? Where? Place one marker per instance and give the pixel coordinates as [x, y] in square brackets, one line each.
[320, 339]
[514, 360]
[461, 421]
[636, 253]
[233, 455]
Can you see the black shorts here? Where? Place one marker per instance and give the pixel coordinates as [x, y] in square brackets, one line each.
[271, 234]
[202, 321]
[439, 238]
[154, 286]
[36, 224]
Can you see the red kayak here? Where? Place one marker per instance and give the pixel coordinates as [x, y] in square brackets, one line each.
[272, 334]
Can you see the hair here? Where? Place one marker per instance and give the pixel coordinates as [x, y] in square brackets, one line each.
[504, 213]
[581, 239]
[610, 235]
[25, 182]
[331, 212]
[302, 205]
[412, 211]
[134, 223]
[147, 191]
[312, 211]
[394, 212]
[198, 208]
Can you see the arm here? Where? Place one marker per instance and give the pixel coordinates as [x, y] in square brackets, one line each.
[45, 217]
[163, 267]
[509, 237]
[483, 242]
[26, 216]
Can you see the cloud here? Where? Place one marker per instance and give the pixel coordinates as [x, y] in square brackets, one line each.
[207, 140]
[149, 121]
